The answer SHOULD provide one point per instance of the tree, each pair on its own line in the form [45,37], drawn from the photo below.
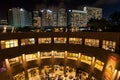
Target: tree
[96,24]
[115,21]
[115,18]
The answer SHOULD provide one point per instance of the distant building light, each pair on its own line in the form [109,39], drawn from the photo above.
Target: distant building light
[42,11]
[79,11]
[49,11]
[10,9]
[69,10]
[85,9]
[21,9]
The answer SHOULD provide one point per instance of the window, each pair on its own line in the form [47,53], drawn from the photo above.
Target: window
[44,54]
[72,55]
[33,72]
[75,40]
[44,40]
[92,42]
[30,57]
[28,41]
[109,45]
[59,40]
[15,60]
[61,54]
[99,65]
[9,43]
[86,59]
[20,76]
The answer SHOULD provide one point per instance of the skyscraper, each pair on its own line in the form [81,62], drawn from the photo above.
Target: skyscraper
[62,17]
[36,19]
[79,18]
[93,12]
[19,17]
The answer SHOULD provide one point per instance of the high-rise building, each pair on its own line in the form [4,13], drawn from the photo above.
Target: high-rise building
[62,17]
[49,18]
[93,12]
[36,19]
[19,17]
[79,18]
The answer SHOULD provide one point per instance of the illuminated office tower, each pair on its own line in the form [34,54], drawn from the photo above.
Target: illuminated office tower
[36,19]
[19,17]
[55,17]
[93,12]
[49,17]
[62,17]
[46,17]
[78,18]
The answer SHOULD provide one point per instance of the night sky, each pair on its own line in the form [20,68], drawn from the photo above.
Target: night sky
[109,6]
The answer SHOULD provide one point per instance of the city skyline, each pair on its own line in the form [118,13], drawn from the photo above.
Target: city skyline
[108,6]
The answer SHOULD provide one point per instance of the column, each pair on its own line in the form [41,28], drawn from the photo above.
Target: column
[118,76]
[52,60]
[91,68]
[25,66]
[9,69]
[114,75]
[65,61]
[92,64]
[39,61]
[78,60]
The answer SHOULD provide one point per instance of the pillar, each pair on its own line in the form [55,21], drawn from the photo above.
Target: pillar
[65,61]
[52,60]
[39,61]
[9,69]
[78,60]
[25,66]
[118,76]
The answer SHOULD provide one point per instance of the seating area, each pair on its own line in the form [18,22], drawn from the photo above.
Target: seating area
[56,72]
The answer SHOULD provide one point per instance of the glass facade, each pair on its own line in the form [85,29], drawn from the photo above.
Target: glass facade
[109,45]
[9,43]
[44,40]
[73,40]
[92,42]
[27,41]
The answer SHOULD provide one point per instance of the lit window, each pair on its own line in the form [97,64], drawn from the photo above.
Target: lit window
[59,40]
[28,41]
[9,43]
[99,65]
[20,76]
[109,45]
[86,59]
[45,54]
[15,60]
[30,57]
[44,40]
[75,40]
[92,42]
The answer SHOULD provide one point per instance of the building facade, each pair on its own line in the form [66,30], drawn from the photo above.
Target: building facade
[19,17]
[75,19]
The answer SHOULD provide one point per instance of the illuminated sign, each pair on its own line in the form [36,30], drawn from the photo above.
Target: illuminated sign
[110,68]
